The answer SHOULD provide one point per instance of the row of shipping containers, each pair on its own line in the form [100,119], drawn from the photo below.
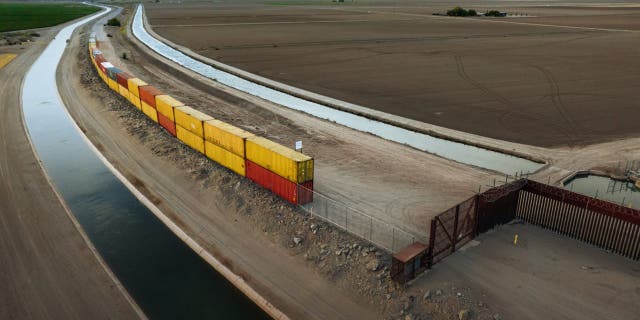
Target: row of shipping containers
[284,171]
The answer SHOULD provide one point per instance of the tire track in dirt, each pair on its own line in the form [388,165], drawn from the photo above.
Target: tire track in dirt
[497,96]
[556,99]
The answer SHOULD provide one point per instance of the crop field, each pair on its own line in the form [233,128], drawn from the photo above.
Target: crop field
[20,16]
[552,76]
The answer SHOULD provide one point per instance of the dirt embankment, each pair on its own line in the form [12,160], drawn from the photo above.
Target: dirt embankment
[47,267]
[305,267]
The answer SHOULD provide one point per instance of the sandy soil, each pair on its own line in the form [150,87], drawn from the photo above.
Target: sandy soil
[499,80]
[546,276]
[48,269]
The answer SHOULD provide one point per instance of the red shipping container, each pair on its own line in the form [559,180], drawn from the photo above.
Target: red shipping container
[280,186]
[305,192]
[99,58]
[122,79]
[148,94]
[166,123]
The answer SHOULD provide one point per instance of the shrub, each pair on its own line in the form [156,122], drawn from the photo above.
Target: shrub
[460,12]
[113,22]
[493,13]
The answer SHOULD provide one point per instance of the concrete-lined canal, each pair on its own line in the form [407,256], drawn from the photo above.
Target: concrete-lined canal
[163,275]
[617,191]
[460,152]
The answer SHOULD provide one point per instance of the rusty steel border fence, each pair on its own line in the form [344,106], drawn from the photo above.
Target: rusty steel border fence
[598,222]
[356,222]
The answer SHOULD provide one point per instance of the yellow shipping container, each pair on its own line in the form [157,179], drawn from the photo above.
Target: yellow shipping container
[225,158]
[123,91]
[113,84]
[191,119]
[285,162]
[134,100]
[133,85]
[190,139]
[226,136]
[149,111]
[165,105]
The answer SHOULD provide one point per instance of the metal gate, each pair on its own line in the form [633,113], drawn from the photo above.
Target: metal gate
[452,229]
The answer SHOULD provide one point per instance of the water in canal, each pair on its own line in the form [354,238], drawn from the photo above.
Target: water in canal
[606,188]
[456,151]
[163,275]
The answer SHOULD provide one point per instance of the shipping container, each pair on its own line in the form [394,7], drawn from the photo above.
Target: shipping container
[282,187]
[226,136]
[133,84]
[150,111]
[113,72]
[148,94]
[123,91]
[96,52]
[305,192]
[135,100]
[166,123]
[191,119]
[165,105]
[104,65]
[225,158]
[277,158]
[123,79]
[190,139]
[113,84]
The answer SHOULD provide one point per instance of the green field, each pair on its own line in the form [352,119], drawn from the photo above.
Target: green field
[20,16]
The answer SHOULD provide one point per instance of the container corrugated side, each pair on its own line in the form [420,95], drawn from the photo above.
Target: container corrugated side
[123,91]
[113,84]
[135,100]
[305,192]
[225,158]
[190,139]
[113,73]
[134,84]
[150,111]
[280,186]
[165,104]
[123,79]
[277,158]
[148,94]
[191,119]
[166,123]
[226,136]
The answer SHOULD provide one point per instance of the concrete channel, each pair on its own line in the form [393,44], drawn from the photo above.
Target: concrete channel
[154,261]
[449,149]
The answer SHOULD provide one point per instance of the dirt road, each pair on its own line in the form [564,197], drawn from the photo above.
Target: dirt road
[47,268]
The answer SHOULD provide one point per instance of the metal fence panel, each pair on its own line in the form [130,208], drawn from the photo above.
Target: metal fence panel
[360,224]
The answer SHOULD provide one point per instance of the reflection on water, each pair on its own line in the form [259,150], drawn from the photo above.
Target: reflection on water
[164,276]
[463,153]
[606,188]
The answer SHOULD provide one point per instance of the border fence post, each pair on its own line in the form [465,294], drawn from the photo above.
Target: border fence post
[393,240]
[432,240]
[454,235]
